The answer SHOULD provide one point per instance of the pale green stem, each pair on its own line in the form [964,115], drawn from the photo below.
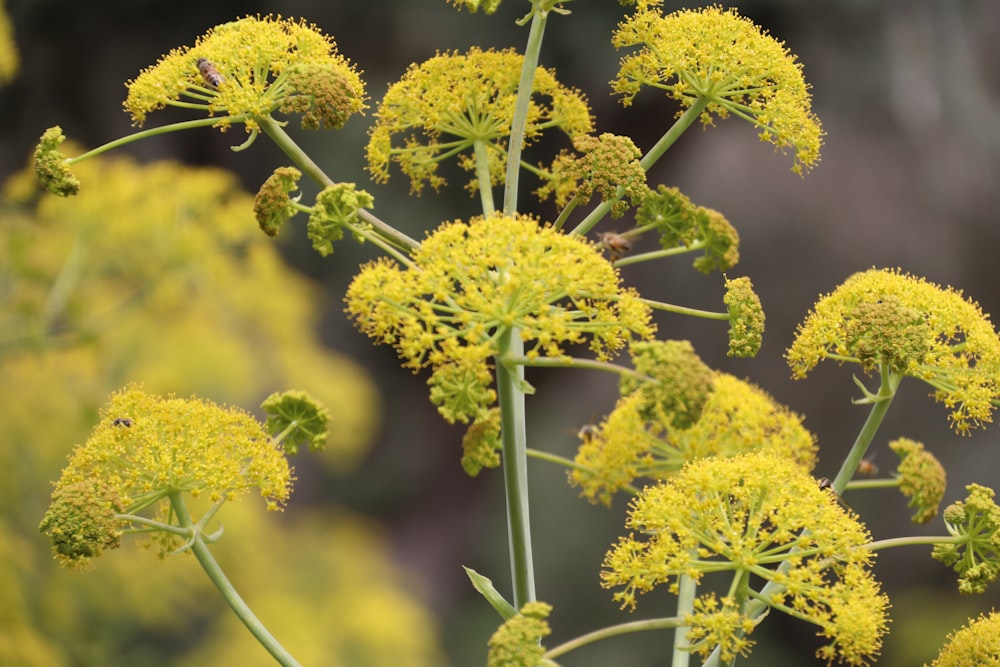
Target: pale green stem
[612,631]
[886,392]
[915,540]
[682,310]
[685,605]
[574,362]
[659,254]
[218,577]
[521,105]
[483,178]
[152,132]
[647,161]
[276,132]
[510,383]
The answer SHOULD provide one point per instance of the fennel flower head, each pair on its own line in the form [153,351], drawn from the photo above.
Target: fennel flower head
[717,58]
[894,322]
[146,451]
[456,104]
[472,283]
[249,68]
[975,645]
[760,517]
[648,436]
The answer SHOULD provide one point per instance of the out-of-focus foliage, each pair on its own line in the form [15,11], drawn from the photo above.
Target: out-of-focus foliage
[159,274]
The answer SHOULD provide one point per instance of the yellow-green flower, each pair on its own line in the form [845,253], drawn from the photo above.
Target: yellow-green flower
[608,162]
[921,478]
[746,318]
[146,450]
[481,444]
[718,58]
[296,419]
[884,319]
[471,283]
[974,553]
[635,442]
[488,6]
[273,206]
[250,68]
[760,517]
[50,164]
[336,205]
[456,105]
[680,223]
[516,643]
[975,645]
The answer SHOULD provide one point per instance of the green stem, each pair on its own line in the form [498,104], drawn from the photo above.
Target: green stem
[659,254]
[276,132]
[521,105]
[510,380]
[911,541]
[483,178]
[646,162]
[152,132]
[685,605]
[218,577]
[574,362]
[612,631]
[682,310]
[886,392]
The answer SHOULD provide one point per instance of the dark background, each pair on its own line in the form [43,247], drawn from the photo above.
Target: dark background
[909,97]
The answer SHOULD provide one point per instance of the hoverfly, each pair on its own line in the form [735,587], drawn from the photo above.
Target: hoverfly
[122,421]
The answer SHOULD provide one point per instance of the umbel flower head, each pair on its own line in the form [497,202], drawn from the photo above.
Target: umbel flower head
[452,103]
[746,318]
[975,645]
[471,283]
[639,439]
[250,68]
[516,643]
[891,321]
[921,478]
[681,223]
[50,164]
[974,553]
[747,515]
[145,451]
[717,58]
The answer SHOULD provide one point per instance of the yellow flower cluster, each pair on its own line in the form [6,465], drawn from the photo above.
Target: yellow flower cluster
[736,417]
[447,105]
[922,478]
[716,57]
[884,319]
[146,449]
[760,516]
[746,318]
[471,283]
[975,645]
[516,643]
[250,68]
[9,58]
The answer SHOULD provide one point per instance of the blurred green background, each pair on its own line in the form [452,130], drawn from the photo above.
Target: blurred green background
[157,273]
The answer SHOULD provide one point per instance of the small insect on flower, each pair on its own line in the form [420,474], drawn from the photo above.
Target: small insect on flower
[209,73]
[616,244]
[122,421]
[867,467]
[826,485]
[586,432]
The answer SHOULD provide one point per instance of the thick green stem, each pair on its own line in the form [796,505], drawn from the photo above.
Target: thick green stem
[685,605]
[883,399]
[483,178]
[276,132]
[510,383]
[521,106]
[218,577]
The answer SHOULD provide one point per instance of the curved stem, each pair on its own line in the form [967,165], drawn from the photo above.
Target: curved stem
[574,362]
[612,631]
[510,380]
[659,254]
[886,392]
[218,577]
[273,129]
[521,106]
[152,132]
[683,310]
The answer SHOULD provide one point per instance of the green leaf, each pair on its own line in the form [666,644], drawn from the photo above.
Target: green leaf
[485,587]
